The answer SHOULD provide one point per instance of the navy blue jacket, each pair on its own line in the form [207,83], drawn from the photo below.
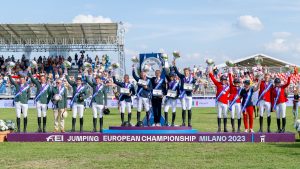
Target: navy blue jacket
[141,92]
[162,87]
[183,80]
[123,85]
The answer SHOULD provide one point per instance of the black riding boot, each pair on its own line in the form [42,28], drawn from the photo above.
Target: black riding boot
[25,124]
[138,116]
[232,125]
[225,125]
[44,124]
[283,125]
[122,119]
[269,124]
[166,119]
[101,124]
[18,125]
[39,119]
[183,117]
[81,124]
[173,118]
[190,118]
[219,124]
[261,124]
[73,124]
[278,126]
[148,118]
[94,124]
[239,125]
[129,118]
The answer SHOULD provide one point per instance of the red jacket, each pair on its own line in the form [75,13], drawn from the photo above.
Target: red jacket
[220,87]
[267,95]
[282,98]
[233,90]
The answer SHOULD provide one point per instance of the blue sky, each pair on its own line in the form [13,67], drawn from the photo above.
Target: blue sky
[216,29]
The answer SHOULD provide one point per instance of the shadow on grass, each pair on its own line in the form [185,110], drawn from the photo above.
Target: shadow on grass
[288,145]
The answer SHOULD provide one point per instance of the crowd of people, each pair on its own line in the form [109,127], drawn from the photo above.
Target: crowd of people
[234,92]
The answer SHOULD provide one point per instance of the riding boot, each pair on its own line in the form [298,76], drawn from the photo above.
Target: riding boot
[101,124]
[44,124]
[39,119]
[173,118]
[183,117]
[81,124]
[190,118]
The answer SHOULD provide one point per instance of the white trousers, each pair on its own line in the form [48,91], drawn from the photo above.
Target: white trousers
[77,108]
[280,110]
[125,105]
[41,108]
[236,108]
[21,107]
[143,101]
[170,103]
[186,102]
[264,107]
[222,109]
[97,110]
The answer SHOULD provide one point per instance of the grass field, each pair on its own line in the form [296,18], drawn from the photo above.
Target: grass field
[148,155]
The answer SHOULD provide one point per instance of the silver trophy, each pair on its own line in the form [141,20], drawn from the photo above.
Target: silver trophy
[210,64]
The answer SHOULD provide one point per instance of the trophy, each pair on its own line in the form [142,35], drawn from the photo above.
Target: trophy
[289,69]
[210,64]
[135,59]
[115,66]
[33,64]
[9,66]
[176,55]
[165,58]
[229,63]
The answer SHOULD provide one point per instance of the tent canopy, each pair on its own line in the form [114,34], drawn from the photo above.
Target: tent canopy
[267,61]
[66,34]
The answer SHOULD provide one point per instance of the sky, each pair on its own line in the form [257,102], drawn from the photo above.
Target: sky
[217,29]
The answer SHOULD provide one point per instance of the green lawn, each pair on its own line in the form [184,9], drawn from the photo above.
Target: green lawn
[148,155]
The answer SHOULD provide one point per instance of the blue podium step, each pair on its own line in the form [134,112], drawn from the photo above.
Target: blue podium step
[149,130]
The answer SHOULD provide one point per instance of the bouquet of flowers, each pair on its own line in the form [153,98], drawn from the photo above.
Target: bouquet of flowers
[3,126]
[176,55]
[134,59]
[115,65]
[10,125]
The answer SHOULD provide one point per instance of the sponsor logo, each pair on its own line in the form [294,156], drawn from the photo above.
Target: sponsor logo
[55,138]
[262,138]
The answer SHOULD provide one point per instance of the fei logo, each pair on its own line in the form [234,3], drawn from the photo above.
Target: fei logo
[55,138]
[262,138]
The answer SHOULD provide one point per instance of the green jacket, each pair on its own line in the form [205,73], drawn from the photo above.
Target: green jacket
[24,96]
[83,92]
[45,97]
[101,97]
[61,104]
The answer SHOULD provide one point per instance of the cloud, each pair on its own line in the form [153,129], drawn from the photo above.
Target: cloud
[281,34]
[250,22]
[90,19]
[278,45]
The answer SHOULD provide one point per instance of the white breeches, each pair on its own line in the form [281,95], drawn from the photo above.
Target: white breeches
[77,108]
[264,107]
[143,101]
[222,109]
[41,108]
[186,102]
[97,110]
[236,109]
[125,105]
[280,110]
[170,103]
[21,107]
